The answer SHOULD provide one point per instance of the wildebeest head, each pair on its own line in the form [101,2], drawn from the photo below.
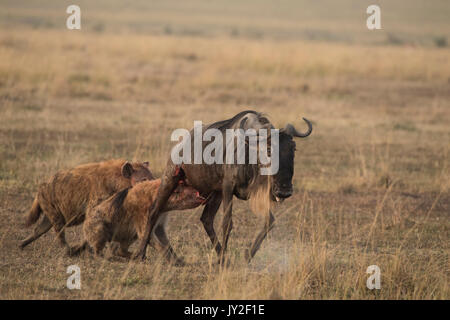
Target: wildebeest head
[282,180]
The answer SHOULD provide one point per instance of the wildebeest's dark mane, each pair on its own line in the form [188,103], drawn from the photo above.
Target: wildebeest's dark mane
[225,124]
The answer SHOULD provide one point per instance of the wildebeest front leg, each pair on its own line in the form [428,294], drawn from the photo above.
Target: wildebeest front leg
[227,223]
[169,182]
[268,225]
[161,241]
[207,218]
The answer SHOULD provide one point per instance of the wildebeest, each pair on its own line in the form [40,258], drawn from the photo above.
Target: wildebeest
[219,182]
[122,217]
[64,198]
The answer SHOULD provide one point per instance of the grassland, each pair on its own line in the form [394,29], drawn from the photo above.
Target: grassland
[371,183]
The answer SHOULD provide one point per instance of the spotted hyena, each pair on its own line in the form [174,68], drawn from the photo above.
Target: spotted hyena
[123,216]
[64,198]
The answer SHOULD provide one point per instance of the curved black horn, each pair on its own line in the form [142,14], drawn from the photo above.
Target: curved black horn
[289,129]
[242,123]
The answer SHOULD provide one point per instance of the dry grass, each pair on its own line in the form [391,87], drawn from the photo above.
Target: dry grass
[371,183]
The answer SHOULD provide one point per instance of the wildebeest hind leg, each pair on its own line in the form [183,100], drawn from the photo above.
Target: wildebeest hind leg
[261,236]
[207,218]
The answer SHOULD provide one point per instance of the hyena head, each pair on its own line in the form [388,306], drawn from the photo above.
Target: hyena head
[184,197]
[136,172]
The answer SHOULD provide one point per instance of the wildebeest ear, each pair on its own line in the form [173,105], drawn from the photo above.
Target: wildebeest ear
[127,170]
[146,163]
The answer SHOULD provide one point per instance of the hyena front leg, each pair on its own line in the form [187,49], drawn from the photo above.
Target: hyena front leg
[78,249]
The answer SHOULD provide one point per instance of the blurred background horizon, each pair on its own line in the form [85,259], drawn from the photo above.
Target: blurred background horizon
[404,22]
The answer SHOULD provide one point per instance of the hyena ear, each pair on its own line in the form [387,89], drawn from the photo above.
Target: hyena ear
[127,170]
[146,164]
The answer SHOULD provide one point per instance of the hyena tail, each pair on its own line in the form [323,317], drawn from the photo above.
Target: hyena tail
[118,200]
[34,213]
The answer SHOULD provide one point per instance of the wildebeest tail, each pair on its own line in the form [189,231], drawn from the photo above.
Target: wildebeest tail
[34,213]
[117,201]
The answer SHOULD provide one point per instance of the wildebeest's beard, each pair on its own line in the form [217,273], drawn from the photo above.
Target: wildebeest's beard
[282,180]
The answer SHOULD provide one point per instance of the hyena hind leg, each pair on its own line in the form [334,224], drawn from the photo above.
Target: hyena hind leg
[59,225]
